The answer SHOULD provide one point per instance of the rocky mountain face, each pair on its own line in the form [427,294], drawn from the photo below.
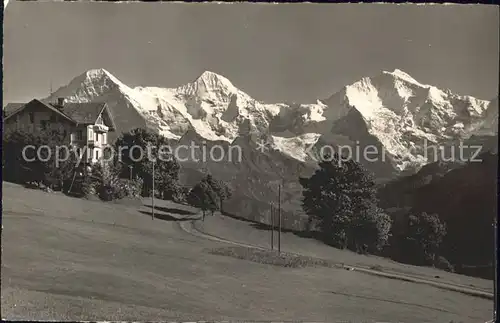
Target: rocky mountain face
[388,122]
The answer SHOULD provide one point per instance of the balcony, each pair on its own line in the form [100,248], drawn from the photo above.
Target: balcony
[100,128]
[93,143]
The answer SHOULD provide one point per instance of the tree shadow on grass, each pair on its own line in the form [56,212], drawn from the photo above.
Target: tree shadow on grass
[166,217]
[302,234]
[267,227]
[172,210]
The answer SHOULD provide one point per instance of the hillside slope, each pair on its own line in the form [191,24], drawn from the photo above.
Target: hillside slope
[464,195]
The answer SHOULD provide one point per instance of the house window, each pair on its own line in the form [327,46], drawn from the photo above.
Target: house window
[96,137]
[79,135]
[106,153]
[32,117]
[97,154]
[43,124]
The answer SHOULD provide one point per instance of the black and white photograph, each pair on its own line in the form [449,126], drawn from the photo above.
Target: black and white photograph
[242,162]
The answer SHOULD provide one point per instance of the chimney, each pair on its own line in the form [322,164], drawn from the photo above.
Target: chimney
[60,102]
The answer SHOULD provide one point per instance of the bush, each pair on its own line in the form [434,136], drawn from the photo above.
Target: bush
[180,195]
[103,181]
[371,229]
[107,192]
[120,189]
[130,188]
[88,187]
[426,232]
[166,166]
[203,196]
[174,192]
[40,172]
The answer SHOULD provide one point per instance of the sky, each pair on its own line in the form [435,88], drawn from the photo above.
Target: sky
[273,52]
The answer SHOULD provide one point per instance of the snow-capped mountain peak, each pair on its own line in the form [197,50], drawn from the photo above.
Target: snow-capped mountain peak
[393,107]
[211,104]
[399,74]
[400,112]
[101,74]
[214,79]
[400,94]
[209,86]
[89,86]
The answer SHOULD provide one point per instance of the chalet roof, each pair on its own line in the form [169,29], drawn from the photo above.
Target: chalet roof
[14,111]
[81,113]
[10,108]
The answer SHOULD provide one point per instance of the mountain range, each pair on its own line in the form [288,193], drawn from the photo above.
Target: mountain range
[390,112]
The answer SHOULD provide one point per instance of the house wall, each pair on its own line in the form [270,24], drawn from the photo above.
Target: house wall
[79,137]
[35,118]
[93,138]
[90,138]
[99,139]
